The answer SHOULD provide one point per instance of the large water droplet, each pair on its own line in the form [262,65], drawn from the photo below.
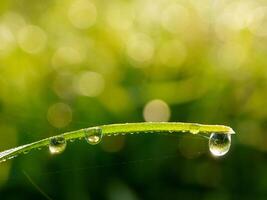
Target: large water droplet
[219,144]
[93,136]
[57,145]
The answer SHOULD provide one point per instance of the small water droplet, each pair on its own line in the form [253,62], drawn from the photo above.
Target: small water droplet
[219,144]
[11,157]
[194,128]
[57,145]
[26,151]
[93,136]
[194,131]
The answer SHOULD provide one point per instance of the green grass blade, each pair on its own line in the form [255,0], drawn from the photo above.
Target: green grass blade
[127,128]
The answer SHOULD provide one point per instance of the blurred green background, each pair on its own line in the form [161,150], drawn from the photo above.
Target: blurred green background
[72,64]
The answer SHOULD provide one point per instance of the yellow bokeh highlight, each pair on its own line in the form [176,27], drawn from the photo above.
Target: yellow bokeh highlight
[7,40]
[59,115]
[175,18]
[32,39]
[120,17]
[14,21]
[63,85]
[82,14]
[140,47]
[156,111]
[259,25]
[90,84]
[66,56]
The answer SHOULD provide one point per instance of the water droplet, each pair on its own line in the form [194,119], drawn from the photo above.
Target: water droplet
[194,131]
[93,136]
[194,128]
[219,144]
[26,151]
[57,145]
[11,157]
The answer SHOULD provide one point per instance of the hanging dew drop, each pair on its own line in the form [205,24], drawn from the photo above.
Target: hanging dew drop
[194,131]
[194,128]
[93,136]
[57,145]
[9,158]
[219,144]
[26,151]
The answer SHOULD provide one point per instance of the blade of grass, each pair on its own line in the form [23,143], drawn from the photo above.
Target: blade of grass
[127,128]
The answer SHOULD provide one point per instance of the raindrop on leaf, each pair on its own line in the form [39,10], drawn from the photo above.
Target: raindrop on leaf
[219,144]
[93,136]
[57,145]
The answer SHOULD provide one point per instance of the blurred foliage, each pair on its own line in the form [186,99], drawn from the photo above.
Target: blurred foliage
[72,64]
